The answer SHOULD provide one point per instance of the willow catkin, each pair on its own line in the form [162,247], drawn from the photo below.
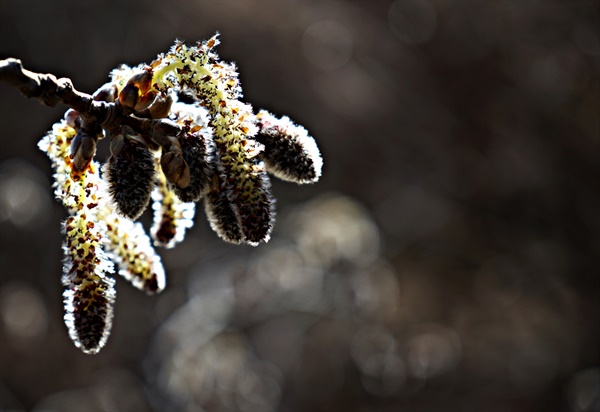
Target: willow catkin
[214,84]
[290,154]
[88,292]
[213,146]
[172,217]
[197,151]
[222,214]
[130,175]
[130,248]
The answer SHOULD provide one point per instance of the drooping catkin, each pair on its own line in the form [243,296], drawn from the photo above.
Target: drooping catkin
[130,248]
[214,84]
[130,175]
[88,291]
[222,214]
[290,153]
[198,148]
[211,146]
[172,216]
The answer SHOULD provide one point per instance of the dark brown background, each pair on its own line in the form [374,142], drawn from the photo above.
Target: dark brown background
[448,259]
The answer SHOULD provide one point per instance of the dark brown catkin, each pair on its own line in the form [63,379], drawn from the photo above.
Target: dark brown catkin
[131,178]
[222,214]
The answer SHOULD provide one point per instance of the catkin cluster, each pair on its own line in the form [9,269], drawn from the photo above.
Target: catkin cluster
[196,141]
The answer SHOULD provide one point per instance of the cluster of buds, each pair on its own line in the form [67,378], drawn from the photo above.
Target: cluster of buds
[178,134]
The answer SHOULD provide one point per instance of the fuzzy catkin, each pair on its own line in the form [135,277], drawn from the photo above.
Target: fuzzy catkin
[222,214]
[197,153]
[88,292]
[290,153]
[172,216]
[257,209]
[130,176]
[210,146]
[215,85]
[131,249]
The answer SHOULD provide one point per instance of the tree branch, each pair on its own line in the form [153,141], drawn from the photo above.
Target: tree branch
[50,91]
[44,87]
[96,115]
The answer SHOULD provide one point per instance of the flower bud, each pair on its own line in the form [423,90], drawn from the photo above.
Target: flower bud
[175,168]
[117,145]
[83,149]
[165,132]
[106,93]
[142,80]
[128,96]
[160,108]
[73,119]
[144,102]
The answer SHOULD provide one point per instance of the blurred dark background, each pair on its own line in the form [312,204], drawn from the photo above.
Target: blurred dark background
[448,260]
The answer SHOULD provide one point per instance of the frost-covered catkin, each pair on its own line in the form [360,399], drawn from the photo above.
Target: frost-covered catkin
[130,176]
[290,153]
[88,292]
